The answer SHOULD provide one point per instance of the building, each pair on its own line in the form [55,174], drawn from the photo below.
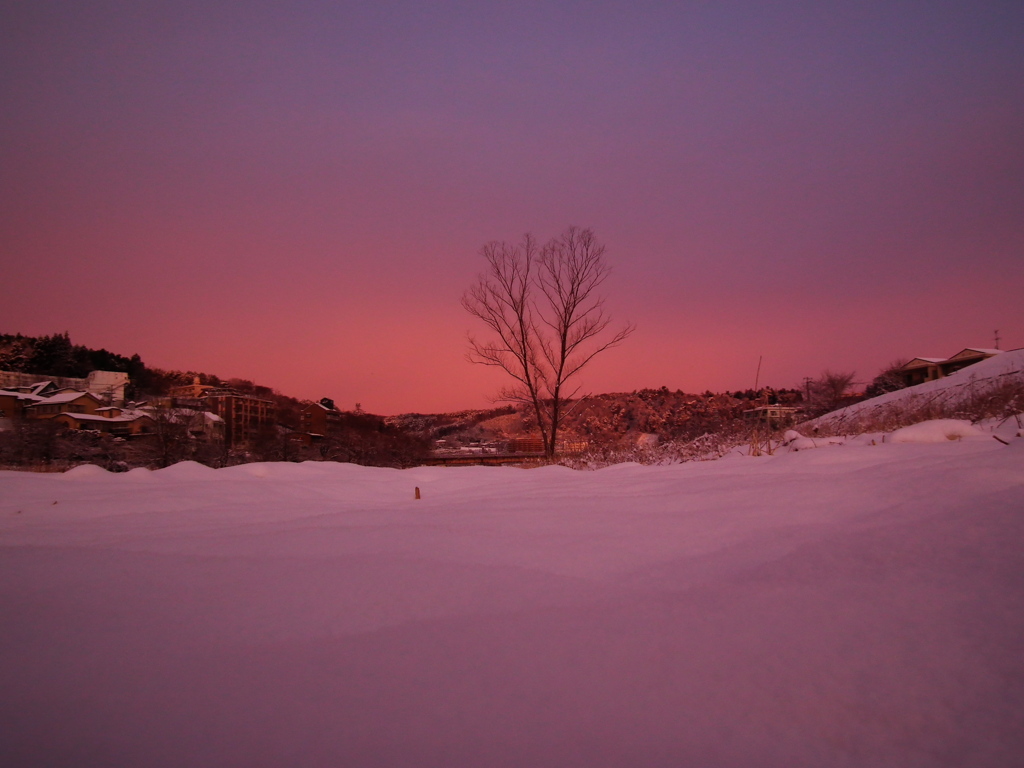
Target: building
[15,399]
[70,408]
[109,386]
[922,369]
[11,404]
[43,400]
[226,415]
[109,420]
[773,415]
[245,417]
[63,401]
[195,389]
[319,419]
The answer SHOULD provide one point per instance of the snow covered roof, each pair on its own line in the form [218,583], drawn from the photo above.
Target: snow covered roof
[320,406]
[135,412]
[103,419]
[966,352]
[66,397]
[36,388]
[174,414]
[19,395]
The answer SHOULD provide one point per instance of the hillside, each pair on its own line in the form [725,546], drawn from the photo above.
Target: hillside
[992,388]
[612,420]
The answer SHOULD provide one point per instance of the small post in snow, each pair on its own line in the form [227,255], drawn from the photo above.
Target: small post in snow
[417,491]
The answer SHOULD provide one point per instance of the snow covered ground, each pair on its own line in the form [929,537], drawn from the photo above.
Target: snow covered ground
[860,605]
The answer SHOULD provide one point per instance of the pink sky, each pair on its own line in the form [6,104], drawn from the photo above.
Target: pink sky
[296,193]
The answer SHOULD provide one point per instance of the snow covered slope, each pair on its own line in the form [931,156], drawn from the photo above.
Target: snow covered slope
[860,606]
[950,390]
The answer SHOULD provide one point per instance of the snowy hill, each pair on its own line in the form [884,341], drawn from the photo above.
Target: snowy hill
[995,384]
[857,606]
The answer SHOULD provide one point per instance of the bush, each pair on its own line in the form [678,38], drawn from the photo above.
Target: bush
[706,447]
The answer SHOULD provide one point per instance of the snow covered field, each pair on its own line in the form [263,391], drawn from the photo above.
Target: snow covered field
[848,606]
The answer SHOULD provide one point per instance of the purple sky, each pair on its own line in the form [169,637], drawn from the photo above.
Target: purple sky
[296,193]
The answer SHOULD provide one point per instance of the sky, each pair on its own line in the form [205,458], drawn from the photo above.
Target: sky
[297,193]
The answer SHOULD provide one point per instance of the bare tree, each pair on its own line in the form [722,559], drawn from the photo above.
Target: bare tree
[543,307]
[889,379]
[171,440]
[828,391]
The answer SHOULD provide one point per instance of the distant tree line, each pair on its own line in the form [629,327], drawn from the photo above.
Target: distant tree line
[55,355]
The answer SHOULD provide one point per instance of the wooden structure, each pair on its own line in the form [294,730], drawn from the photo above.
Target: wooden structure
[764,421]
[772,415]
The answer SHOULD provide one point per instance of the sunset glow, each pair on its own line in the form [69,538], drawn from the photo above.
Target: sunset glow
[297,193]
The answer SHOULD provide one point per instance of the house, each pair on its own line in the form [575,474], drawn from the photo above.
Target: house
[120,425]
[70,408]
[63,401]
[319,419]
[207,426]
[14,399]
[966,357]
[35,402]
[922,369]
[189,413]
[199,423]
[11,404]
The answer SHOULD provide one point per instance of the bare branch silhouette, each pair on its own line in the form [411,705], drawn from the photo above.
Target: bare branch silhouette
[547,319]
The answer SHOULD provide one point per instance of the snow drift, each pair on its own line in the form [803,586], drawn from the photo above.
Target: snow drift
[857,606]
[936,431]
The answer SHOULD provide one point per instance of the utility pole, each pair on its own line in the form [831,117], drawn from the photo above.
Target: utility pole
[997,338]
